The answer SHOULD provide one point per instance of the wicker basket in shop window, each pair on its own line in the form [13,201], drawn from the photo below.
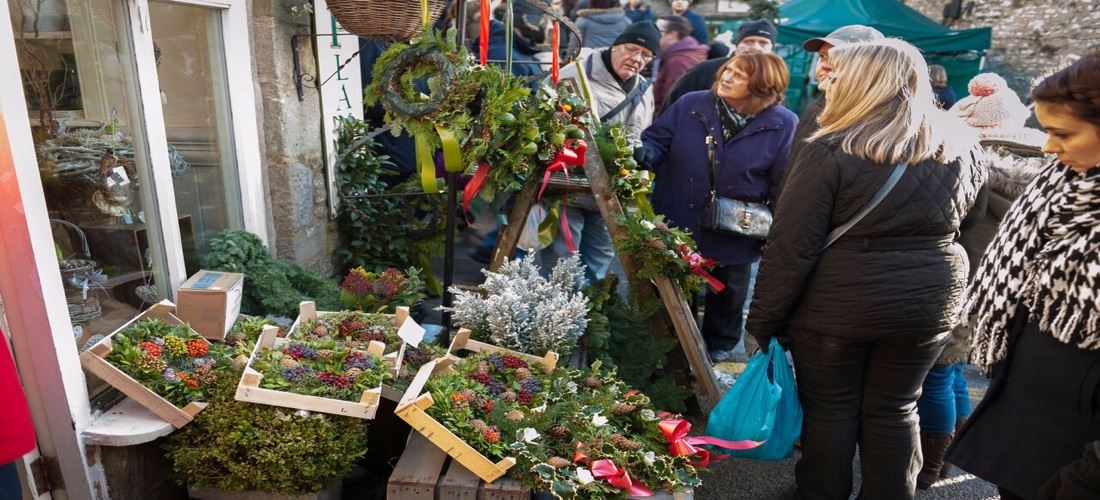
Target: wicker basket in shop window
[388,20]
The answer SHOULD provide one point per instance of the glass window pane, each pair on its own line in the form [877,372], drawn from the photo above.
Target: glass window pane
[188,43]
[76,62]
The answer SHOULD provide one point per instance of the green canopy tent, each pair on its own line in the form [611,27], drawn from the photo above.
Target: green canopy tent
[959,51]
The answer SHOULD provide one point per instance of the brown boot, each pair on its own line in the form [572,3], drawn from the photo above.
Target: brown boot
[946,470]
[933,445]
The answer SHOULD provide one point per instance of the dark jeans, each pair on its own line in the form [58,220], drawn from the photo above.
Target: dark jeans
[860,392]
[723,315]
[9,482]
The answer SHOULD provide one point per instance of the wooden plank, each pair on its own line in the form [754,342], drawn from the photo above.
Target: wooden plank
[451,444]
[509,234]
[459,483]
[691,340]
[505,489]
[417,472]
[462,341]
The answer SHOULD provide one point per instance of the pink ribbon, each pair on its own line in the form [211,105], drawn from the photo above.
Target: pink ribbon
[680,445]
[606,469]
[698,265]
[571,155]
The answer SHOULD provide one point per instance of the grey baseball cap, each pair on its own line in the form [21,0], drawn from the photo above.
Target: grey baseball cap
[844,35]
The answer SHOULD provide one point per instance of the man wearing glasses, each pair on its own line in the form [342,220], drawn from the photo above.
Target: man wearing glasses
[619,94]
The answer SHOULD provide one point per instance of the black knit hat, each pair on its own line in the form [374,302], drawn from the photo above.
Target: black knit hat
[762,28]
[642,33]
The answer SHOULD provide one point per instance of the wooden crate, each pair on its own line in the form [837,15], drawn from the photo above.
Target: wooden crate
[414,404]
[249,390]
[95,361]
[425,473]
[307,311]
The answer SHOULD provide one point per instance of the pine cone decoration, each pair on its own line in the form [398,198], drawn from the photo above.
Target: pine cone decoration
[558,462]
[656,243]
[352,372]
[482,367]
[155,364]
[325,353]
[514,415]
[662,227]
[623,443]
[508,396]
[288,363]
[320,331]
[593,383]
[624,409]
[558,431]
[479,425]
[523,373]
[205,376]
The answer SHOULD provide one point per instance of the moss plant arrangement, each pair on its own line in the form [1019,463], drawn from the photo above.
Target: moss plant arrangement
[236,446]
[271,286]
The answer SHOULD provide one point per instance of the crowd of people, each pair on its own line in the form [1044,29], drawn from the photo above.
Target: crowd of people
[915,233]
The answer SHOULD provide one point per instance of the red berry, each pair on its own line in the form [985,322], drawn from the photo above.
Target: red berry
[197,348]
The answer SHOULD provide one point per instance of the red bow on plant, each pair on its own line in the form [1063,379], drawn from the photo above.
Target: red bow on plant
[571,155]
[698,265]
[606,469]
[680,445]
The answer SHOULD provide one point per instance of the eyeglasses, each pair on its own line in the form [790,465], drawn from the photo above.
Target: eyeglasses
[637,51]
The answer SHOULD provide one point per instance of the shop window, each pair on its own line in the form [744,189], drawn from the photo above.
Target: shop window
[194,93]
[76,61]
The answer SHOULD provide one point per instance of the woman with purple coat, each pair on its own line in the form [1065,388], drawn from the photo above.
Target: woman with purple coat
[753,132]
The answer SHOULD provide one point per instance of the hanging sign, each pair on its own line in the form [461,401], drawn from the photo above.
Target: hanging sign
[341,86]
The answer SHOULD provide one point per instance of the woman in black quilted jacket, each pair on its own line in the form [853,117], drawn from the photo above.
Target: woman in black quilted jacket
[866,317]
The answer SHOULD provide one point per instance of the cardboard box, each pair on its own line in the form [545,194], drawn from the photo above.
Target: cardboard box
[210,302]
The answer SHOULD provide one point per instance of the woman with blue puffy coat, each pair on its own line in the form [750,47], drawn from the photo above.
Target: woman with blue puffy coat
[752,133]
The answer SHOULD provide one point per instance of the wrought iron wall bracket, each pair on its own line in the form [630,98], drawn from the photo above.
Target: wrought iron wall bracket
[300,78]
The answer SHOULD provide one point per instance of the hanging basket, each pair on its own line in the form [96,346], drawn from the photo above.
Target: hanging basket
[386,20]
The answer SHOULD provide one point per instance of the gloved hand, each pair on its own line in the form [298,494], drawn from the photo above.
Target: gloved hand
[644,157]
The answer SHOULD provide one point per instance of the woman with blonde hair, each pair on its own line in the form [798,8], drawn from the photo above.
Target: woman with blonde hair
[865,292]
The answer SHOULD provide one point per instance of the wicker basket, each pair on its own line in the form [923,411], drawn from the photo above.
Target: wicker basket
[387,20]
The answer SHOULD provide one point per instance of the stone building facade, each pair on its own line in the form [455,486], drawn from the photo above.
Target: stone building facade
[1030,37]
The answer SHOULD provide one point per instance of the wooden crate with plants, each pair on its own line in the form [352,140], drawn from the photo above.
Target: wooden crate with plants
[414,405]
[159,362]
[319,376]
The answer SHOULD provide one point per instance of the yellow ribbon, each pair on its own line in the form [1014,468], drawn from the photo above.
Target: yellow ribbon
[425,15]
[548,228]
[452,152]
[426,165]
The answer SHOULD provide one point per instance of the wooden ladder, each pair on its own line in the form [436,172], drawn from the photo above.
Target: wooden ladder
[680,314]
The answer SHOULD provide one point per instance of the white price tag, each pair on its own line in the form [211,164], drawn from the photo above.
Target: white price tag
[411,332]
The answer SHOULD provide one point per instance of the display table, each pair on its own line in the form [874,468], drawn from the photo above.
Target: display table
[126,424]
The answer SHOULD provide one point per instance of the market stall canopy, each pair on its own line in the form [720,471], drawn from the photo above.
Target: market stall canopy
[804,19]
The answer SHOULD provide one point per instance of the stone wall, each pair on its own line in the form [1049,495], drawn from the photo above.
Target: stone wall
[299,224]
[1030,37]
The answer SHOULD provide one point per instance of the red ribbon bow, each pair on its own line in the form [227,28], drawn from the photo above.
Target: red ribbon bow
[680,445]
[606,469]
[698,265]
[572,154]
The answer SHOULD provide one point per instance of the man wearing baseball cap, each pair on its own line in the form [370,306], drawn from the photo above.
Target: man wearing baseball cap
[853,33]
[753,36]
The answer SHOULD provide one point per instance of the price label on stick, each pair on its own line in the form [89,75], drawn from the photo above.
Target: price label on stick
[411,332]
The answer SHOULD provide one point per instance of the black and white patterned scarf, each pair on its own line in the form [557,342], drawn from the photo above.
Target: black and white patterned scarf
[732,120]
[1046,257]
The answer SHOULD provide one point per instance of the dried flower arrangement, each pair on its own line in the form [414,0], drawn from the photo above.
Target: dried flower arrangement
[320,368]
[524,311]
[171,360]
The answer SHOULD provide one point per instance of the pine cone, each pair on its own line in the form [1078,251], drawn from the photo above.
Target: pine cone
[624,409]
[558,462]
[558,431]
[320,330]
[622,443]
[205,376]
[508,396]
[288,363]
[153,363]
[515,415]
[482,367]
[325,353]
[656,243]
[459,401]
[662,227]
[523,373]
[593,383]
[352,372]
[479,425]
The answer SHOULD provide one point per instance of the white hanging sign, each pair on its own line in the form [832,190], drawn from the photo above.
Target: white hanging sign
[342,93]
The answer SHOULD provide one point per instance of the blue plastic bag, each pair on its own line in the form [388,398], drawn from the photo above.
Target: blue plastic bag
[761,406]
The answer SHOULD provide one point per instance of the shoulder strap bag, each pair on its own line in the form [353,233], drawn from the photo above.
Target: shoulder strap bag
[632,98]
[732,216]
[899,170]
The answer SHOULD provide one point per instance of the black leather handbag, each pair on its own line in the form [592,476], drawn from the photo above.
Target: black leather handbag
[729,215]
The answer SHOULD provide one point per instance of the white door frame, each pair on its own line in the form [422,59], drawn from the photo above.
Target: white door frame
[30,283]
